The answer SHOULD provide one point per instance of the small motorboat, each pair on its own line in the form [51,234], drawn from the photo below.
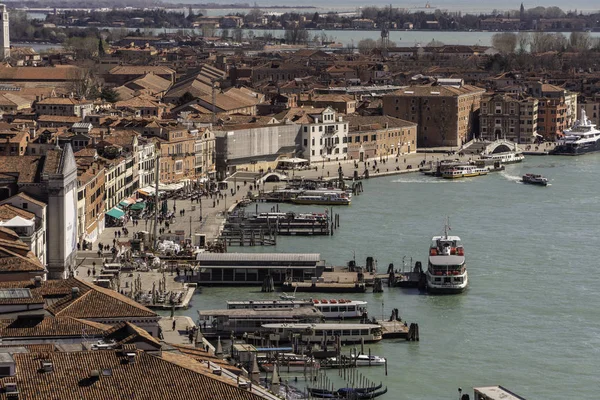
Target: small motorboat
[535,179]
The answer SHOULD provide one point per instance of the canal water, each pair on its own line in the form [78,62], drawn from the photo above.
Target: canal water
[530,319]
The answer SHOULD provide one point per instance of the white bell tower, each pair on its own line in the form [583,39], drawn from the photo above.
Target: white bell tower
[5,37]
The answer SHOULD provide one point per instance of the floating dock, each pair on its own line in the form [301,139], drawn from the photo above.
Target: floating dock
[324,287]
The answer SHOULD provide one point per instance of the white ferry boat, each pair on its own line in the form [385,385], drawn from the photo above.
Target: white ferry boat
[317,333]
[509,157]
[331,309]
[463,171]
[446,272]
[325,199]
[582,138]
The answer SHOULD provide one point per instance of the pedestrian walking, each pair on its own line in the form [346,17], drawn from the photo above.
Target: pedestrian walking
[174,324]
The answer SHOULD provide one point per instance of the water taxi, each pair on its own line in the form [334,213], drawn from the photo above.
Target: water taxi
[446,272]
[318,333]
[360,360]
[535,179]
[325,199]
[463,171]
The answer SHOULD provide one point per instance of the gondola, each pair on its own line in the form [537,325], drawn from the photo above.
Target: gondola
[348,393]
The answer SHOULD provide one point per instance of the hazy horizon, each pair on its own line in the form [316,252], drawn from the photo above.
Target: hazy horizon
[451,5]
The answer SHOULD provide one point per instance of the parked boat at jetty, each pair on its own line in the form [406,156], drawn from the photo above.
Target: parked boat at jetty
[226,322]
[318,333]
[331,309]
[446,272]
[361,360]
[347,393]
[582,138]
[509,157]
[325,199]
[288,362]
[463,171]
[535,179]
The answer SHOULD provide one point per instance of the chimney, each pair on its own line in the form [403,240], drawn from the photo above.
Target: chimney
[47,366]
[37,281]
[131,358]
[74,292]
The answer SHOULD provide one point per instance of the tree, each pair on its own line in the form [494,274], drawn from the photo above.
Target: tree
[435,43]
[295,35]
[83,47]
[101,51]
[238,35]
[109,94]
[84,83]
[366,46]
[208,30]
[523,39]
[580,41]
[505,42]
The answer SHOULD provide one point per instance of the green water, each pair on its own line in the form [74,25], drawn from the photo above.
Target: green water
[530,319]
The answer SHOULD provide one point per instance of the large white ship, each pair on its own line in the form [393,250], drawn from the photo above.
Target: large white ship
[446,272]
[582,138]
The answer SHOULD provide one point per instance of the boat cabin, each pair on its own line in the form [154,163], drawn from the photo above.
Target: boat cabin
[446,245]
[224,322]
[268,304]
[317,333]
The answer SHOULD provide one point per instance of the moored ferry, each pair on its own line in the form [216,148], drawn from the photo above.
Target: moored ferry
[446,272]
[463,171]
[325,199]
[509,157]
[582,138]
[331,309]
[317,333]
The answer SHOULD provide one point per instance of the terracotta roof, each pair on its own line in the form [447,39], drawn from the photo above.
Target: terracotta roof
[62,101]
[141,70]
[66,120]
[174,377]
[38,326]
[98,302]
[26,169]
[137,102]
[126,333]
[367,123]
[152,82]
[417,91]
[36,74]
[8,212]
[29,199]
[91,302]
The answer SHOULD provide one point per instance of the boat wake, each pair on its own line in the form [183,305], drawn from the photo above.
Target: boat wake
[509,177]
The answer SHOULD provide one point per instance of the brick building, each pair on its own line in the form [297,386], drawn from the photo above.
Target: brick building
[508,117]
[445,115]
